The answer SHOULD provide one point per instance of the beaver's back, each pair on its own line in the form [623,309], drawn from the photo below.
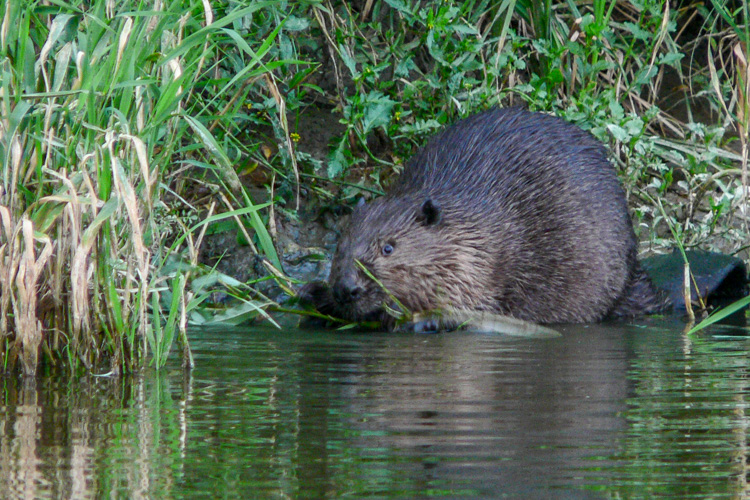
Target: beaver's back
[500,156]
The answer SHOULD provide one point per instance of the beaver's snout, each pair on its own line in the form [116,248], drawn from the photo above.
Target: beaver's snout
[347,289]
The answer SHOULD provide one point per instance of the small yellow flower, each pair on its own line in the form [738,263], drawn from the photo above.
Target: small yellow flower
[295,137]
[397,116]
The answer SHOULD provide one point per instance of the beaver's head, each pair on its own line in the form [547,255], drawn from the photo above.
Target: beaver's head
[400,241]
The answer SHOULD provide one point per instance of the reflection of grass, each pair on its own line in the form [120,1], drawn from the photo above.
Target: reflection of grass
[139,438]
[678,383]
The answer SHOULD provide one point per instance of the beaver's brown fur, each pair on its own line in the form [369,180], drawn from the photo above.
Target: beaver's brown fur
[507,211]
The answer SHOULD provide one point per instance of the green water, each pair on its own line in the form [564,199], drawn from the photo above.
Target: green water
[626,411]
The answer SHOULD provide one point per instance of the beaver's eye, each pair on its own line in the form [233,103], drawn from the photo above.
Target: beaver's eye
[387,249]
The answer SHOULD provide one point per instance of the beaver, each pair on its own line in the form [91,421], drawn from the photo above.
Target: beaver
[509,212]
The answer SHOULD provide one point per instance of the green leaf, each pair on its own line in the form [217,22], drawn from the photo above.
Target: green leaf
[400,6]
[377,113]
[721,314]
[57,32]
[671,59]
[234,213]
[618,132]
[637,32]
[104,214]
[349,61]
[337,161]
[294,23]
[241,313]
[165,343]
[226,169]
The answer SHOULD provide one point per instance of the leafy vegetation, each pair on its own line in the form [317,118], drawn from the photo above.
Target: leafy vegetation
[128,129]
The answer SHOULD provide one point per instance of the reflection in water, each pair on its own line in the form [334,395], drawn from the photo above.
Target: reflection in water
[603,411]
[78,438]
[688,421]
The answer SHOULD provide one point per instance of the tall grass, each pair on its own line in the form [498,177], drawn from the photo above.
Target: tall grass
[98,101]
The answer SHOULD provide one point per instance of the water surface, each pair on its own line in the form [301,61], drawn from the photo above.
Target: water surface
[624,411]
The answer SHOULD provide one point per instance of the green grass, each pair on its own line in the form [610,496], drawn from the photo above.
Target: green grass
[100,108]
[114,117]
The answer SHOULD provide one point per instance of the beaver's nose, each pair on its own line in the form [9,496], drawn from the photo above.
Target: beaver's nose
[346,289]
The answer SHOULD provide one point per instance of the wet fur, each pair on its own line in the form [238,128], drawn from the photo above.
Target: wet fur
[507,211]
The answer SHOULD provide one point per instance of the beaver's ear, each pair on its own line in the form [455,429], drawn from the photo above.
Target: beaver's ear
[429,214]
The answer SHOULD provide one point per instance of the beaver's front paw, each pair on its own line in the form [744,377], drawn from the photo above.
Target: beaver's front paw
[317,295]
[428,324]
